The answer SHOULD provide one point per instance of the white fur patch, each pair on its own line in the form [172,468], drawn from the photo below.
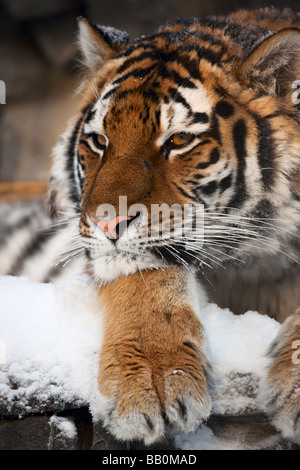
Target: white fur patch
[112,265]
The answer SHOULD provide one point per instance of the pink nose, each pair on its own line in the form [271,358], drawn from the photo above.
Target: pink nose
[110,226]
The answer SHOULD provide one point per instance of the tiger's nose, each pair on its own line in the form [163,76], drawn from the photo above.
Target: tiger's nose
[115,227]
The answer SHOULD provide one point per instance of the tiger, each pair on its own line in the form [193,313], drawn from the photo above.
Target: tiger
[203,114]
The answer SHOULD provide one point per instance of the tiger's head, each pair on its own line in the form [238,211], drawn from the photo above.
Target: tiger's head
[189,118]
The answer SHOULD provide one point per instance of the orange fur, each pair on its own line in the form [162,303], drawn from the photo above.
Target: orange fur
[152,353]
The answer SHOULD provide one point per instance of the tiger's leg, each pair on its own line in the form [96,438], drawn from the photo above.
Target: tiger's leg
[152,364]
[282,392]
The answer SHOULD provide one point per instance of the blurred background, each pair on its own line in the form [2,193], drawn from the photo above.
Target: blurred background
[38,65]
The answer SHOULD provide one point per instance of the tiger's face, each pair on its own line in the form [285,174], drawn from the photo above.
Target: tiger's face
[162,128]
[155,141]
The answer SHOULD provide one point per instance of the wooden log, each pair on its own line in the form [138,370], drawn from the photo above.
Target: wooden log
[22,190]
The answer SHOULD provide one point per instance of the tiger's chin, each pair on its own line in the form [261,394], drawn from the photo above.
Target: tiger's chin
[111,266]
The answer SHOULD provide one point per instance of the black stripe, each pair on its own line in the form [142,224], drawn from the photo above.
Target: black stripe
[135,47]
[209,55]
[224,109]
[35,245]
[203,165]
[239,138]
[214,130]
[191,65]
[90,115]
[221,91]
[185,82]
[110,92]
[210,188]
[207,37]
[182,410]
[139,72]
[200,117]
[214,158]
[273,115]
[266,159]
[157,117]
[164,72]
[225,183]
[80,178]
[152,54]
[71,152]
[148,422]
[198,176]
[8,231]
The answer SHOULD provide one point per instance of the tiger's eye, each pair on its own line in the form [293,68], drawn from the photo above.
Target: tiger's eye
[179,140]
[99,141]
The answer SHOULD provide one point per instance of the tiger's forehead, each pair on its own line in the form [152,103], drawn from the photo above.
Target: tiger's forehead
[178,107]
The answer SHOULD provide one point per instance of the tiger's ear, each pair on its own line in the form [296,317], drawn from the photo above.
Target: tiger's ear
[274,64]
[99,43]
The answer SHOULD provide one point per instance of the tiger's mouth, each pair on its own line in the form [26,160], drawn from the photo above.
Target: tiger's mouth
[129,243]
[125,244]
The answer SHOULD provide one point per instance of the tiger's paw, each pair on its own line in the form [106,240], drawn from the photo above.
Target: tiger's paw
[282,388]
[147,396]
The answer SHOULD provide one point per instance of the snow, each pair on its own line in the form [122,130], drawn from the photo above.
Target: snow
[237,349]
[61,429]
[50,338]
